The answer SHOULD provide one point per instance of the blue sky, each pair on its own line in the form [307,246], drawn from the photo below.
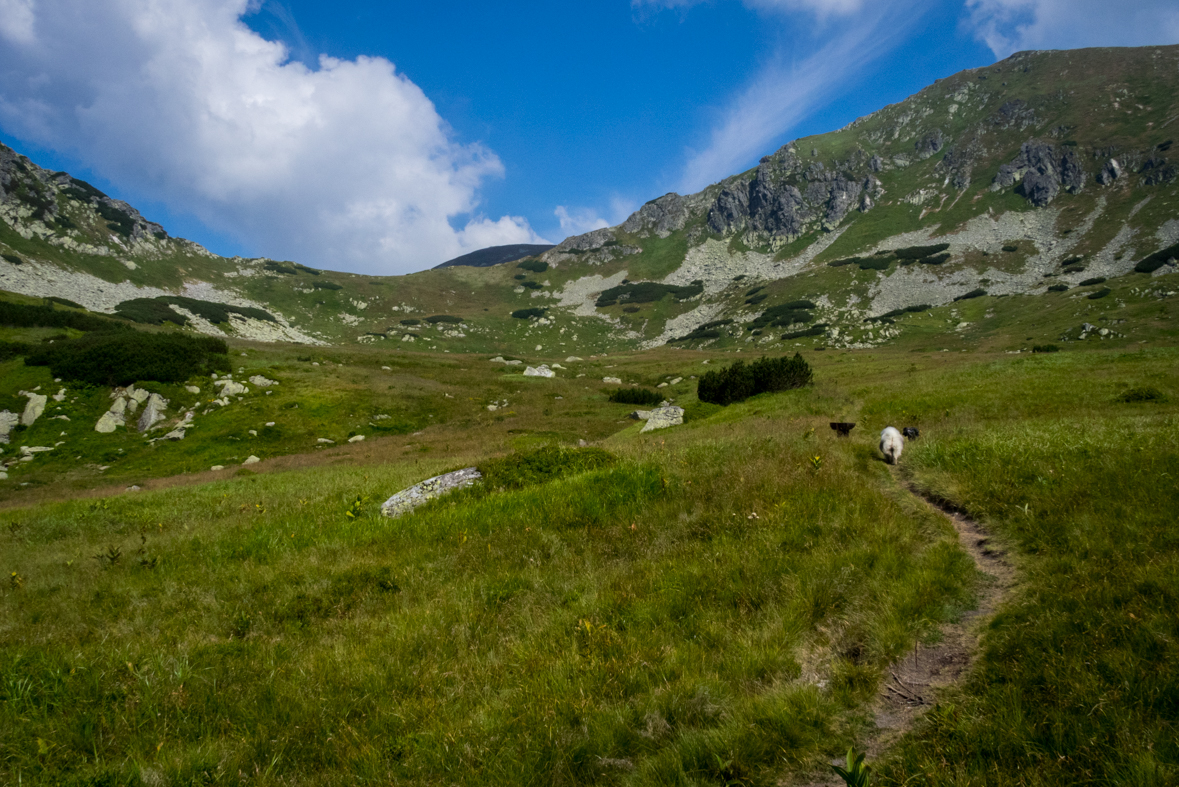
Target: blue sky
[434,129]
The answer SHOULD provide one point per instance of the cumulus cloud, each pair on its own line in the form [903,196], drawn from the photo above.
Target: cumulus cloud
[579,221]
[346,166]
[1008,26]
[784,93]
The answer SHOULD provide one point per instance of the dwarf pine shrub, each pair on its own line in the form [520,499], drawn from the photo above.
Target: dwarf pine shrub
[524,314]
[534,265]
[635,396]
[740,381]
[126,357]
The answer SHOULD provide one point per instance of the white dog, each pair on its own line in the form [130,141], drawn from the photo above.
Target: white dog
[891,444]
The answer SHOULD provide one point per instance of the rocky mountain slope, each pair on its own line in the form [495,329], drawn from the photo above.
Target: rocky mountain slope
[1046,172]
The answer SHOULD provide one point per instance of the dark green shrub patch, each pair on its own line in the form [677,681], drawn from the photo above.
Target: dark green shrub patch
[1045,348]
[83,191]
[19,315]
[1009,248]
[921,307]
[886,316]
[918,252]
[9,350]
[631,309]
[116,220]
[156,311]
[755,290]
[780,316]
[818,329]
[647,292]
[411,321]
[972,294]
[305,269]
[799,304]
[1153,262]
[65,302]
[326,285]
[875,263]
[698,334]
[524,314]
[532,285]
[846,261]
[15,260]
[536,266]
[935,259]
[279,267]
[520,276]
[128,357]
[1058,288]
[446,318]
[1075,259]
[1143,394]
[520,470]
[1091,282]
[1100,293]
[756,299]
[740,381]
[635,396]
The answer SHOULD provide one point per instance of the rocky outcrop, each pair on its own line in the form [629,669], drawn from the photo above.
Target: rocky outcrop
[1041,170]
[661,216]
[432,488]
[663,417]
[539,371]
[153,412]
[113,418]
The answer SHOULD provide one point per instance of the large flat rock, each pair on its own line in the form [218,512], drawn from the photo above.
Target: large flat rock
[408,499]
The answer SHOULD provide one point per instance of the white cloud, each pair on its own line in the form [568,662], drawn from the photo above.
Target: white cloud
[348,166]
[16,21]
[581,220]
[821,8]
[783,94]
[1008,26]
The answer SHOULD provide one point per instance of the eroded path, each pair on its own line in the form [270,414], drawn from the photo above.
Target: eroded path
[913,682]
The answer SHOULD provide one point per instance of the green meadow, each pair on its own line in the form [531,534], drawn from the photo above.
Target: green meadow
[715,603]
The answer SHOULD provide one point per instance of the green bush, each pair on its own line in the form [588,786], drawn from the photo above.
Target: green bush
[326,285]
[1045,348]
[305,269]
[1010,248]
[935,259]
[781,315]
[534,265]
[524,314]
[520,276]
[1100,293]
[699,333]
[127,357]
[755,290]
[15,260]
[19,315]
[9,350]
[740,381]
[799,304]
[972,294]
[1075,259]
[847,261]
[753,300]
[875,263]
[818,329]
[278,267]
[411,321]
[446,318]
[530,468]
[635,396]
[918,252]
[647,292]
[1153,262]
[65,302]
[118,221]
[532,285]
[921,307]
[1058,288]
[1143,394]
[157,311]
[1091,282]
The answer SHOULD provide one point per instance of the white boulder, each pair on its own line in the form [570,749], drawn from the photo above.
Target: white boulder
[663,417]
[34,408]
[539,371]
[408,499]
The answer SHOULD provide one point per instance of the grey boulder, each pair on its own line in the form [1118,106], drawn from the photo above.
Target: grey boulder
[432,488]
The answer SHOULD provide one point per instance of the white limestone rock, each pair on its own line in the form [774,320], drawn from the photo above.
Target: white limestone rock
[356,439]
[113,418]
[251,460]
[262,382]
[540,371]
[7,421]
[613,380]
[408,499]
[34,407]
[663,417]
[153,412]
[192,389]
